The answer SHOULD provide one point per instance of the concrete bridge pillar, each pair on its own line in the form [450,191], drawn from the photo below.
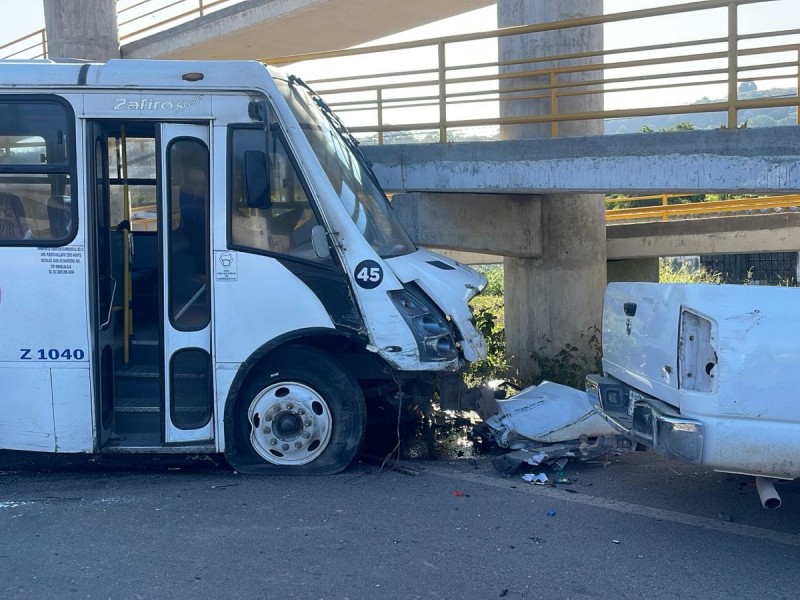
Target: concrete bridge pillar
[555,299]
[84,29]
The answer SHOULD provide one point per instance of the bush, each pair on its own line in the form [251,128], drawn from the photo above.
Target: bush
[671,272]
[494,273]
[489,319]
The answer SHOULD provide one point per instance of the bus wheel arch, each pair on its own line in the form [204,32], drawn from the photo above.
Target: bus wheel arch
[297,411]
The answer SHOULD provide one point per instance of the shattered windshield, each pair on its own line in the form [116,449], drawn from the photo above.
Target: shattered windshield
[364,200]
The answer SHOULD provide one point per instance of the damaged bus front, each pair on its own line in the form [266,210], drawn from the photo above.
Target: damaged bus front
[705,374]
[230,276]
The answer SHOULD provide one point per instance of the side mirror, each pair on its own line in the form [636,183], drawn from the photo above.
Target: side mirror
[256,179]
[319,240]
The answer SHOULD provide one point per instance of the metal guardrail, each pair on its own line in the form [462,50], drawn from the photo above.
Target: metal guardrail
[33,45]
[444,85]
[665,210]
[139,18]
[439,86]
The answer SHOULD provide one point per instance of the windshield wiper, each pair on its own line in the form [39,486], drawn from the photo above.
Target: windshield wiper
[351,142]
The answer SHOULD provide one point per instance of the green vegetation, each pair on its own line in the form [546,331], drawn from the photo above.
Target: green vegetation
[670,271]
[489,311]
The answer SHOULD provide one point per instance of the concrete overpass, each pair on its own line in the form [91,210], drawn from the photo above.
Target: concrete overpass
[255,29]
[454,183]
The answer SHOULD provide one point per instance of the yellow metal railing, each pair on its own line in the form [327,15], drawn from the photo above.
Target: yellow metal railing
[440,85]
[139,18]
[664,210]
[442,93]
[33,45]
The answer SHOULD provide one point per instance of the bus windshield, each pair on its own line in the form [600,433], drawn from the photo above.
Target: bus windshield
[364,200]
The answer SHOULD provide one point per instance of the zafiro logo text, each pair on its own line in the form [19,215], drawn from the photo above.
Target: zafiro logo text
[153,104]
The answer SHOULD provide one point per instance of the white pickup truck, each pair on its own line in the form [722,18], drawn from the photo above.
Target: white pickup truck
[705,374]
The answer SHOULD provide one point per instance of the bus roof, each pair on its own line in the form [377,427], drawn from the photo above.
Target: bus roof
[135,74]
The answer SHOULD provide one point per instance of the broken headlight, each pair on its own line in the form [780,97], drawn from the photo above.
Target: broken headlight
[433,334]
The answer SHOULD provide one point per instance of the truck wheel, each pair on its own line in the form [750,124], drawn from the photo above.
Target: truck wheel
[301,414]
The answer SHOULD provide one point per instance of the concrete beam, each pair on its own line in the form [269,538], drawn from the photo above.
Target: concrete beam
[720,235]
[259,29]
[758,161]
[483,223]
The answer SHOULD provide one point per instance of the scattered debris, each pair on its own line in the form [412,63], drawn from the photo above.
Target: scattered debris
[561,477]
[459,493]
[545,424]
[385,463]
[539,479]
[551,512]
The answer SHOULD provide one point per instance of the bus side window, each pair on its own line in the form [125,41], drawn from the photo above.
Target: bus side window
[36,154]
[285,227]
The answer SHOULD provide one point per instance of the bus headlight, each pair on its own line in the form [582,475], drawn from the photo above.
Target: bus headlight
[433,334]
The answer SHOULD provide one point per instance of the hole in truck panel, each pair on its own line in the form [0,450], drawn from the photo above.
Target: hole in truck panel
[697,353]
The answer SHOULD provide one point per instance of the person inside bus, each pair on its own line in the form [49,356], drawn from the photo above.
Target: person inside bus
[13,224]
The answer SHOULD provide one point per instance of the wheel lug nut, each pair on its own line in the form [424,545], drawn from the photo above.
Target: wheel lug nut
[289,406]
[307,422]
[285,447]
[307,435]
[298,445]
[301,412]
[267,430]
[273,442]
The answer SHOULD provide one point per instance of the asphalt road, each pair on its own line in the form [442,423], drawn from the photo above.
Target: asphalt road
[173,527]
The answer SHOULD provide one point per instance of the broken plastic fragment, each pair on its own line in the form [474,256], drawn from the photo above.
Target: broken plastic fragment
[537,458]
[539,479]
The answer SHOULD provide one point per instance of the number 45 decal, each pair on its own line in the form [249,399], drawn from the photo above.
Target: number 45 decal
[368,274]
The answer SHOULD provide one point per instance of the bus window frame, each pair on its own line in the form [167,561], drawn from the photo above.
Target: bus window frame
[68,168]
[269,130]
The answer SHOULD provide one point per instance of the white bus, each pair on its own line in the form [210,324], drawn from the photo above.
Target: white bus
[195,257]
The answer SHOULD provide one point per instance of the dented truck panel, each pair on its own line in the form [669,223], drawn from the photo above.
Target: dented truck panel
[708,372]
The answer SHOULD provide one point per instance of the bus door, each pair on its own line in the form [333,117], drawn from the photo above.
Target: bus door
[184,244]
[105,286]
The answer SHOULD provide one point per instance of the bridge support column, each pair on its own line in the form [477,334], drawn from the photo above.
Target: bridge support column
[85,29]
[557,299]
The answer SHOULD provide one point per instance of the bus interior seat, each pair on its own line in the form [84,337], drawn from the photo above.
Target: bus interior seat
[12,216]
[144,261]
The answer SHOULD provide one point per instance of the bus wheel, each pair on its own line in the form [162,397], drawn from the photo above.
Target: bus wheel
[301,414]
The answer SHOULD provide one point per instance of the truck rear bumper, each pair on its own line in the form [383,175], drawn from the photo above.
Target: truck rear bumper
[646,421]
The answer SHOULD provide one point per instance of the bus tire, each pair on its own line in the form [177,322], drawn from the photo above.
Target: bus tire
[299,414]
